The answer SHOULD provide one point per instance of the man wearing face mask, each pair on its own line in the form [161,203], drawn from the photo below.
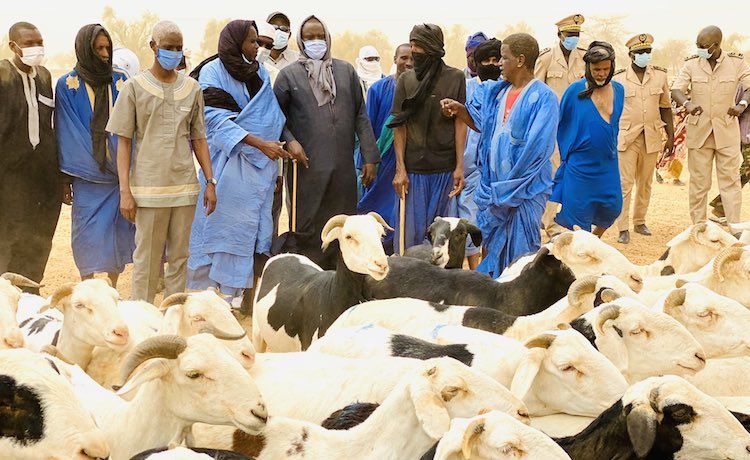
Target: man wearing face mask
[558,67]
[368,67]
[713,132]
[281,55]
[30,185]
[324,107]
[472,42]
[647,113]
[587,183]
[163,111]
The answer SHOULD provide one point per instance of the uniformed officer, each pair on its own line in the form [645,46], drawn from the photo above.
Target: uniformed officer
[558,67]
[713,131]
[647,111]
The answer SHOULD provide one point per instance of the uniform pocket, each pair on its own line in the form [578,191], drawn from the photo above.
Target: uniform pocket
[699,85]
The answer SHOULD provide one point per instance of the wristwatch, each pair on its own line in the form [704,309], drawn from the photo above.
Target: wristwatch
[212,181]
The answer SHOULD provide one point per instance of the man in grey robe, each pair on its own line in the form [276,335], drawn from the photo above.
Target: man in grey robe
[324,107]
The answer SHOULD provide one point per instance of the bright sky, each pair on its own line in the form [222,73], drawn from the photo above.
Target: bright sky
[60,20]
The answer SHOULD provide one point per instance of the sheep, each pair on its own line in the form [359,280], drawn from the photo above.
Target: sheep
[660,418]
[640,341]
[692,249]
[728,275]
[495,436]
[721,325]
[40,416]
[180,381]
[296,300]
[413,316]
[412,416]
[448,238]
[10,294]
[542,283]
[724,377]
[556,371]
[91,318]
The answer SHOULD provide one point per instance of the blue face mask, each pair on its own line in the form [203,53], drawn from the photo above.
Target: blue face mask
[168,60]
[570,43]
[315,49]
[704,53]
[642,59]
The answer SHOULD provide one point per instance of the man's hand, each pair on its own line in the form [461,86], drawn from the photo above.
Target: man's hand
[273,149]
[669,146]
[297,153]
[458,182]
[401,183]
[450,108]
[736,111]
[67,193]
[693,109]
[369,171]
[209,199]
[127,206]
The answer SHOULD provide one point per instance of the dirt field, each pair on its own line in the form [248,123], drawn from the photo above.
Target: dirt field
[668,215]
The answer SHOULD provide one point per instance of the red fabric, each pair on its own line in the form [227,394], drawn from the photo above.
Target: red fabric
[509,101]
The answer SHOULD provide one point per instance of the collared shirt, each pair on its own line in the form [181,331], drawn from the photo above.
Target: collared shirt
[162,118]
[643,99]
[713,90]
[552,68]
[29,91]
[285,58]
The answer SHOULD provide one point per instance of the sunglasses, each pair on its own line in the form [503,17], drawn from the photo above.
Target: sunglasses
[268,46]
[282,28]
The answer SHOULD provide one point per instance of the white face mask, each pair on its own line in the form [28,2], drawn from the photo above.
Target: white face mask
[371,66]
[280,40]
[263,54]
[32,56]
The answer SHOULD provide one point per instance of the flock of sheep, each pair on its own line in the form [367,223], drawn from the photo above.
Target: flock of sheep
[575,352]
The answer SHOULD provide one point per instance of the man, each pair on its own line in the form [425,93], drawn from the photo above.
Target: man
[368,67]
[471,44]
[163,111]
[102,239]
[429,146]
[558,67]
[587,183]
[379,196]
[515,178]
[281,56]
[647,110]
[324,107]
[713,131]
[30,183]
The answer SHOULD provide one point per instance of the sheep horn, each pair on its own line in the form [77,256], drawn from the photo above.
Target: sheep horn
[174,299]
[20,280]
[475,429]
[162,346]
[381,221]
[562,240]
[333,222]
[219,334]
[728,255]
[696,231]
[581,287]
[675,299]
[609,295]
[62,292]
[540,341]
[610,312]
[54,351]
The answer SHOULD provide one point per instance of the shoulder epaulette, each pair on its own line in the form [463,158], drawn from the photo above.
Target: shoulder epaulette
[581,49]
[545,51]
[617,72]
[691,57]
[659,68]
[735,55]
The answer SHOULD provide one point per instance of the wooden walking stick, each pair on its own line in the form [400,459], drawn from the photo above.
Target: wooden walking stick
[401,224]
[294,196]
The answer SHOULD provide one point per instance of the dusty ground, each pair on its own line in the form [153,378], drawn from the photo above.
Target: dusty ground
[668,215]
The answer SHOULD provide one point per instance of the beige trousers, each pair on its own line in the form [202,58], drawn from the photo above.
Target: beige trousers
[636,167]
[155,228]
[550,211]
[700,164]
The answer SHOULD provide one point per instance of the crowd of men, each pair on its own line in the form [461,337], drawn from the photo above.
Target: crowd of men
[520,142]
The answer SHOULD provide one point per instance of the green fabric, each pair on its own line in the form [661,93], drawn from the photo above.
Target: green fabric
[385,141]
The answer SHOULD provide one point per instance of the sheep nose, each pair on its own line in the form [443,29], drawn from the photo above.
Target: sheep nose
[382,265]
[95,447]
[120,334]
[260,412]
[14,338]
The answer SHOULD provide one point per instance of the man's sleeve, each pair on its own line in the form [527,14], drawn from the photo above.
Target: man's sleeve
[398,96]
[682,82]
[540,69]
[461,96]
[284,98]
[665,101]
[368,148]
[197,120]
[122,120]
[744,75]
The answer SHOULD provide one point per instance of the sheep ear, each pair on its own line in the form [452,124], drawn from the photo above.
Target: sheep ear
[642,423]
[334,234]
[61,293]
[527,371]
[471,435]
[172,319]
[610,343]
[151,370]
[475,233]
[429,406]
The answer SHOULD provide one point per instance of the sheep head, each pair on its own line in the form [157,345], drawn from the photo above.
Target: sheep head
[360,242]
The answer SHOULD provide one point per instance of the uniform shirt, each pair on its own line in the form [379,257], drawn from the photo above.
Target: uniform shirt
[430,137]
[642,103]
[552,68]
[161,118]
[287,57]
[713,90]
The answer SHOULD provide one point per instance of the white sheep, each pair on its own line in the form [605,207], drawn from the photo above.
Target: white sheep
[10,294]
[728,274]
[692,249]
[724,377]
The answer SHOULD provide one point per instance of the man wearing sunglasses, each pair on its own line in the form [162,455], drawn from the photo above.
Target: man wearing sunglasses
[281,55]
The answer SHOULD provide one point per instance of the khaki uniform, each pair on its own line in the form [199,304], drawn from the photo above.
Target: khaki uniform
[640,140]
[714,133]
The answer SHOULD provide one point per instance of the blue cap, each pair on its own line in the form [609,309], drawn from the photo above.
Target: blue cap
[475,40]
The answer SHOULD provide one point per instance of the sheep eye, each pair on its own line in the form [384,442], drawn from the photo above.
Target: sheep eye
[640,330]
[79,305]
[348,237]
[680,413]
[568,368]
[198,319]
[706,314]
[193,375]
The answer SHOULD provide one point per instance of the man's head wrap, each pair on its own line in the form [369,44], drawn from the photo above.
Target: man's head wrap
[487,50]
[598,51]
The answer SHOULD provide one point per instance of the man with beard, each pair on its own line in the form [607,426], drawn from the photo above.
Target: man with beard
[429,145]
[587,184]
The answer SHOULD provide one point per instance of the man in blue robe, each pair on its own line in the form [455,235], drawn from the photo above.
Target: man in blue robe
[102,239]
[379,196]
[517,118]
[243,126]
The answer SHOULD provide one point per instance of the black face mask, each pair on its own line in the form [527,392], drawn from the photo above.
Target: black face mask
[421,62]
[489,72]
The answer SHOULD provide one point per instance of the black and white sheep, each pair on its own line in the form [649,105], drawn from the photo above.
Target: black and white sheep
[542,283]
[296,300]
[448,238]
